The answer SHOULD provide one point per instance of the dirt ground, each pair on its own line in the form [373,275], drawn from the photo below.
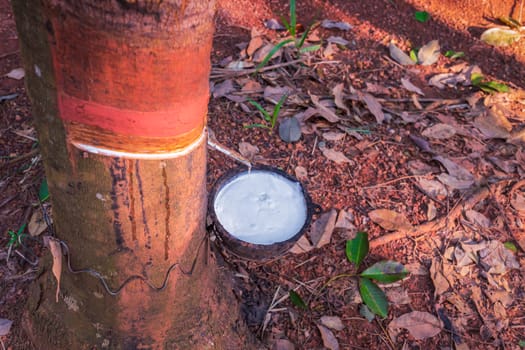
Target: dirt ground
[437,173]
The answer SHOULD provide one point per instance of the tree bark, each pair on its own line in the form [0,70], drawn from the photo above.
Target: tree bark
[119,90]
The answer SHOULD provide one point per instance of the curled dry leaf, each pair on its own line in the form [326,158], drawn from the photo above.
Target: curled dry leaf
[500,36]
[324,111]
[330,24]
[439,131]
[338,40]
[273,24]
[389,219]
[441,284]
[303,245]
[56,252]
[429,53]
[421,325]
[399,56]
[222,89]
[373,106]
[248,150]
[411,87]
[329,340]
[255,43]
[333,136]
[337,91]
[457,177]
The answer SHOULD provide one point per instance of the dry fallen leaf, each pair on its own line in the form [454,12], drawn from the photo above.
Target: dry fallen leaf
[399,56]
[301,173]
[441,284]
[457,177]
[283,344]
[5,326]
[389,219]
[321,230]
[36,224]
[222,89]
[56,252]
[411,87]
[439,131]
[332,322]
[330,24]
[493,124]
[497,259]
[373,106]
[421,325]
[337,91]
[398,296]
[303,245]
[429,53]
[477,218]
[17,73]
[334,155]
[324,111]
[432,188]
[333,136]
[329,340]
[248,150]
[255,43]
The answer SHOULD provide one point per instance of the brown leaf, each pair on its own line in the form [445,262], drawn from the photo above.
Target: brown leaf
[398,296]
[56,251]
[421,325]
[36,224]
[324,111]
[255,43]
[248,150]
[337,91]
[222,89]
[411,87]
[283,344]
[303,245]
[441,284]
[477,218]
[274,94]
[493,124]
[389,219]
[334,155]
[497,259]
[332,322]
[373,106]
[432,188]
[321,229]
[329,340]
[458,177]
[439,131]
[333,136]
[301,173]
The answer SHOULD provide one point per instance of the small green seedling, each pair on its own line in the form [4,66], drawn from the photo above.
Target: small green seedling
[490,87]
[270,119]
[454,54]
[413,55]
[15,239]
[291,27]
[421,16]
[296,299]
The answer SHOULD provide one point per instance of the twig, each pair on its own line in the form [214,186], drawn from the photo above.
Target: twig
[222,73]
[392,181]
[434,225]
[24,156]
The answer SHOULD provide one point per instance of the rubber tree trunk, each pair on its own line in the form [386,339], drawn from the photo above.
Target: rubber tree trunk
[119,91]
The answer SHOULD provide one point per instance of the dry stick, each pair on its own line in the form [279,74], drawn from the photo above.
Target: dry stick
[221,73]
[434,225]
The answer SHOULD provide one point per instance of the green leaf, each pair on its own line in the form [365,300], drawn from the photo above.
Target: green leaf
[296,299]
[310,48]
[285,23]
[373,297]
[386,271]
[511,246]
[493,86]
[277,109]
[357,248]
[43,192]
[293,18]
[453,54]
[413,55]
[521,343]
[422,16]
[256,125]
[264,112]
[476,78]
[272,52]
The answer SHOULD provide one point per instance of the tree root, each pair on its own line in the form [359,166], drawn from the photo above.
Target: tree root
[434,225]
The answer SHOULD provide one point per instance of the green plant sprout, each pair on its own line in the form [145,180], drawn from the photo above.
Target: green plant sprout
[15,238]
[270,119]
[291,27]
[490,87]
[386,271]
[454,54]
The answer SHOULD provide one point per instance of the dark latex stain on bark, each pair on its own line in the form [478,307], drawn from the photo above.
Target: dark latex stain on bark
[141,198]
[167,206]
[131,212]
[118,183]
